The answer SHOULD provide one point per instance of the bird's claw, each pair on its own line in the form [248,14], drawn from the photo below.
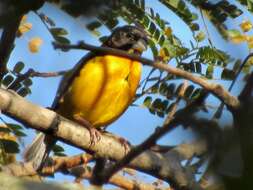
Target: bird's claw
[95,136]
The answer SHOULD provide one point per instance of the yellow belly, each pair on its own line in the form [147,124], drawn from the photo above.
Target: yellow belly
[104,89]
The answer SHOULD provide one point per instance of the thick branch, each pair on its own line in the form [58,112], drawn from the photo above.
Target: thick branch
[73,166]
[156,164]
[116,179]
[7,43]
[216,89]
[13,183]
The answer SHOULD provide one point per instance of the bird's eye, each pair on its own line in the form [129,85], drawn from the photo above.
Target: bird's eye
[130,36]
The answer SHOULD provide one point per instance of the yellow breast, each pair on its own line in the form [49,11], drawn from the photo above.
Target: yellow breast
[103,90]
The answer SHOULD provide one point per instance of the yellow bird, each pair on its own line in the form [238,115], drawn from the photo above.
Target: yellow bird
[103,90]
[97,90]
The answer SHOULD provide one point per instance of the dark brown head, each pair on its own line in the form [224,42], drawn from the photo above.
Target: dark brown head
[128,38]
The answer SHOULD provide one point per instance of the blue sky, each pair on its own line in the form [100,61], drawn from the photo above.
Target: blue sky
[136,123]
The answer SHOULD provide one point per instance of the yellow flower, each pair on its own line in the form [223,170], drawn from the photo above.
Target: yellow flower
[34,44]
[246,25]
[162,54]
[200,36]
[24,26]
[168,31]
[250,41]
[238,39]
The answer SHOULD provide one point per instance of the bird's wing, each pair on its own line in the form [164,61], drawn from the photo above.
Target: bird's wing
[68,78]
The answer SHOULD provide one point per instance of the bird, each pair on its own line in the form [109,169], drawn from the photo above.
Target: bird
[97,90]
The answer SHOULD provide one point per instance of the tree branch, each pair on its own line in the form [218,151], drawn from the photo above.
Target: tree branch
[145,145]
[117,179]
[216,89]
[13,183]
[218,113]
[73,166]
[153,163]
[7,43]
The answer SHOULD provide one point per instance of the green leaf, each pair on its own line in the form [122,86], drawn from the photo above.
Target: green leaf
[17,87]
[147,102]
[19,67]
[16,129]
[47,19]
[161,40]
[152,28]
[9,146]
[160,114]
[153,48]
[180,8]
[237,65]
[200,36]
[4,129]
[168,110]
[24,91]
[103,39]
[198,67]
[178,89]
[157,34]
[171,90]
[59,154]
[27,82]
[58,31]
[62,39]
[19,133]
[8,80]
[233,33]
[194,26]
[14,126]
[189,90]
[155,88]
[93,25]
[209,71]
[227,74]
[209,55]
[152,110]
[58,148]
[163,88]
[157,104]
[196,93]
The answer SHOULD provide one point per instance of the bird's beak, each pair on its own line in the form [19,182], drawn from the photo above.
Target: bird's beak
[140,46]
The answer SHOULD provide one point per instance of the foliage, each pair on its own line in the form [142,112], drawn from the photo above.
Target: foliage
[158,92]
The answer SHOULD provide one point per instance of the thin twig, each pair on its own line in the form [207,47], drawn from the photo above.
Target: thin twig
[216,89]
[75,166]
[149,89]
[206,28]
[218,113]
[149,142]
[84,172]
[147,78]
[48,74]
[33,73]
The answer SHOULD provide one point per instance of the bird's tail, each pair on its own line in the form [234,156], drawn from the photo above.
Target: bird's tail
[38,152]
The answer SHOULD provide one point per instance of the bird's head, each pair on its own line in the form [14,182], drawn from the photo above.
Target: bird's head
[128,38]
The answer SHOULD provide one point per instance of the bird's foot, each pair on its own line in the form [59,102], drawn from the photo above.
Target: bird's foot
[95,135]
